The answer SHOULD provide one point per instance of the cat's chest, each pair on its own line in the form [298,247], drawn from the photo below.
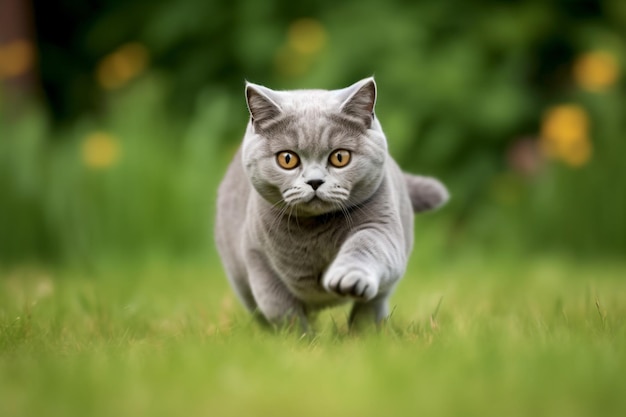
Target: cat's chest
[300,252]
[300,249]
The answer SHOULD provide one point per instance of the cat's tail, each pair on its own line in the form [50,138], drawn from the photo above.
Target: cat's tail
[426,193]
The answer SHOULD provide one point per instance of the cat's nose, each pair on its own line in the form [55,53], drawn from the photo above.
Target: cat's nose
[315,184]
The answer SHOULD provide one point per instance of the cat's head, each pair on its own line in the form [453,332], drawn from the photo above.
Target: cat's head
[314,151]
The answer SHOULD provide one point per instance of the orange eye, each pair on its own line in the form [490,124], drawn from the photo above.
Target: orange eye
[339,158]
[287,159]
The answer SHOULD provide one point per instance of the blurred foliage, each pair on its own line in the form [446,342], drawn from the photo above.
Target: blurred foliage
[517,105]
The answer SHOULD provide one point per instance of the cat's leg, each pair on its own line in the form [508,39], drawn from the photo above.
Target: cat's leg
[277,305]
[366,312]
[366,269]
[243,291]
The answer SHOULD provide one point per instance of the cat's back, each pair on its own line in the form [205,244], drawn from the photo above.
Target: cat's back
[232,200]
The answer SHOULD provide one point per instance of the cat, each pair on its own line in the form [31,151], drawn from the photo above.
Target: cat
[313,211]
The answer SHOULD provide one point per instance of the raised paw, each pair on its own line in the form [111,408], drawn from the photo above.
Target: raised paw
[351,282]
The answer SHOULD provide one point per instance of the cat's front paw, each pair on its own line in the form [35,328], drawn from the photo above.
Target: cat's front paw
[351,282]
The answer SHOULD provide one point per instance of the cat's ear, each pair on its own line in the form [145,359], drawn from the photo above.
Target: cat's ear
[358,101]
[261,104]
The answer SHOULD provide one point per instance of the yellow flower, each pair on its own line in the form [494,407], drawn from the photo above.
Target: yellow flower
[122,65]
[565,134]
[577,153]
[305,38]
[16,58]
[596,71]
[100,150]
[290,63]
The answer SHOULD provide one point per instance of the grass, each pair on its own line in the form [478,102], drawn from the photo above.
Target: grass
[470,335]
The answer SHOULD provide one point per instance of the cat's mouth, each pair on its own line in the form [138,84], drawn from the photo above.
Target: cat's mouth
[316,201]
[315,205]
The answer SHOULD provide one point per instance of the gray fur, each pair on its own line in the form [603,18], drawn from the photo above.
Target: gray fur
[289,249]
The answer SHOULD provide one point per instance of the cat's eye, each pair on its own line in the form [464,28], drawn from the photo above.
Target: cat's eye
[339,158]
[287,159]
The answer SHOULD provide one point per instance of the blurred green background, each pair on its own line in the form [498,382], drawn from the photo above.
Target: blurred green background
[117,118]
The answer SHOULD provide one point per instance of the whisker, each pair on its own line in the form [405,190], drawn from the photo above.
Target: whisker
[363,208]
[298,224]
[347,215]
[340,205]
[277,216]
[289,213]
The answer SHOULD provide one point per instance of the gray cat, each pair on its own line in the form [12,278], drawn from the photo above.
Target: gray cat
[313,211]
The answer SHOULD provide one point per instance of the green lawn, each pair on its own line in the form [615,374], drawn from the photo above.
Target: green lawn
[469,335]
